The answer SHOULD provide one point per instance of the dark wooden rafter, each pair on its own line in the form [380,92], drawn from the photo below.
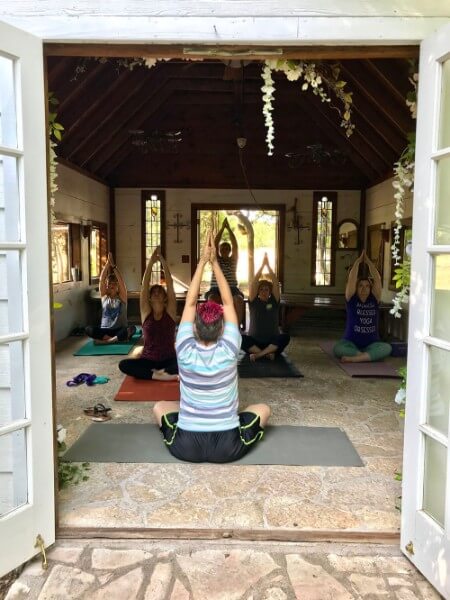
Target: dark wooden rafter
[228,52]
[393,109]
[214,104]
[327,121]
[127,148]
[73,90]
[386,72]
[371,113]
[80,116]
[89,140]
[146,106]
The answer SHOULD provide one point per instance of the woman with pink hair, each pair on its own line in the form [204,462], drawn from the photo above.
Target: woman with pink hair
[205,425]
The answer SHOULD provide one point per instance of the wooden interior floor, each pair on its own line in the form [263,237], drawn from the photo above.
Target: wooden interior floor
[247,498]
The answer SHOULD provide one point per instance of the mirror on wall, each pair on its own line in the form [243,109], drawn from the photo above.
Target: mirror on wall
[347,238]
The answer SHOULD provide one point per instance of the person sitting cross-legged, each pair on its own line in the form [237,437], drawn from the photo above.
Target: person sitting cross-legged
[158,313]
[205,425]
[113,291]
[361,341]
[264,338]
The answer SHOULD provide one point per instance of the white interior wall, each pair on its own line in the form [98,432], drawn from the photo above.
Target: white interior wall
[79,198]
[380,208]
[297,258]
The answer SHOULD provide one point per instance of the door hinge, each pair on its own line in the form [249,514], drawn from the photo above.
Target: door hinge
[40,544]
[409,548]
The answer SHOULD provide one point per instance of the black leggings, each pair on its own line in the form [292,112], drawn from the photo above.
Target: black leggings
[281,340]
[141,368]
[97,333]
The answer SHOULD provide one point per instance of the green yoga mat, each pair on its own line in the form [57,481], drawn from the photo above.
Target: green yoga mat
[91,349]
[281,445]
[281,366]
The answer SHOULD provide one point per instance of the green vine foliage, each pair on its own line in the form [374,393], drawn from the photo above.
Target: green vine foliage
[55,129]
[70,473]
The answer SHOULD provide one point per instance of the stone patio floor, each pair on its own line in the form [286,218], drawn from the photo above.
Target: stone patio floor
[142,570]
[252,497]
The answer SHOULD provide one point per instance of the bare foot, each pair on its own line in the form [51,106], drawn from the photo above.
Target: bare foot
[358,358]
[106,340]
[162,375]
[253,357]
[271,356]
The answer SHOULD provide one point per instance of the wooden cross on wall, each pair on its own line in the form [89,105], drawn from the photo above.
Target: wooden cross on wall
[178,225]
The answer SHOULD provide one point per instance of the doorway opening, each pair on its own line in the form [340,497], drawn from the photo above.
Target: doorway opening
[205,497]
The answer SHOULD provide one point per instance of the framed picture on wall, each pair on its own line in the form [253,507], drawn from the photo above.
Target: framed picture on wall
[405,238]
[375,246]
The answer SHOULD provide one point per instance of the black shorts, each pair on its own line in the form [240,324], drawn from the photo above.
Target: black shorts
[211,446]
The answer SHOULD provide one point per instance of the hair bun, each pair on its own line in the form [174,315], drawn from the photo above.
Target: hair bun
[210,312]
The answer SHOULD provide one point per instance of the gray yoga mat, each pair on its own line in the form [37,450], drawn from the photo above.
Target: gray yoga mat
[281,366]
[380,369]
[281,445]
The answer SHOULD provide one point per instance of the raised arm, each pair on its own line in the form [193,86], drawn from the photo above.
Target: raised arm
[253,288]
[104,275]
[144,301]
[171,298]
[377,286]
[233,241]
[350,288]
[190,305]
[229,312]
[123,294]
[219,235]
[273,278]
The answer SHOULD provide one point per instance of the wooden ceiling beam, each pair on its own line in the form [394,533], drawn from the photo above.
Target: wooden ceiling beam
[145,108]
[397,112]
[387,73]
[227,52]
[77,89]
[92,129]
[354,147]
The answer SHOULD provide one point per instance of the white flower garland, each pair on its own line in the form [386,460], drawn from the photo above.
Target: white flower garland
[314,77]
[268,89]
[403,185]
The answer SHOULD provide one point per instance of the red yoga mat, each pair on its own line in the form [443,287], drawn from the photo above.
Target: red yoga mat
[142,390]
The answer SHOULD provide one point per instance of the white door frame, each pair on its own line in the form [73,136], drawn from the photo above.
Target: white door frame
[422,539]
[28,387]
[320,24]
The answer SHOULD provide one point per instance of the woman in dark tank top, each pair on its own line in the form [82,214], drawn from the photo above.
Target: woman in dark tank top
[158,315]
[361,342]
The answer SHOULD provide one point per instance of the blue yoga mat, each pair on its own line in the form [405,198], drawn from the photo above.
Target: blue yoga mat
[91,349]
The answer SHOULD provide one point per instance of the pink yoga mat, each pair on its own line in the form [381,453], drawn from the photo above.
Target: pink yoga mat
[367,369]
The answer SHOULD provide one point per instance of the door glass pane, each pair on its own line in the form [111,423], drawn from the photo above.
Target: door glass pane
[12,391]
[434,480]
[13,471]
[440,313]
[9,200]
[442,232]
[8,126]
[439,384]
[11,313]
[444,127]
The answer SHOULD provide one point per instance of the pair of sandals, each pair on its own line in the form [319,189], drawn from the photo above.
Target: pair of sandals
[99,412]
[87,378]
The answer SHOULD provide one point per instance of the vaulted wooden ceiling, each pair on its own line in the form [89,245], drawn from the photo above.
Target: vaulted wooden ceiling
[102,105]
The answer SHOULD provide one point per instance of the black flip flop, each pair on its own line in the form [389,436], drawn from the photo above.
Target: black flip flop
[97,410]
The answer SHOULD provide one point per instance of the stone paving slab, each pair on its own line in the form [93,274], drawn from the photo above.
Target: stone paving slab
[214,570]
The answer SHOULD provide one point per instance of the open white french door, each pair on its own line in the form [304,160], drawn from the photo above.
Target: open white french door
[425,536]
[26,429]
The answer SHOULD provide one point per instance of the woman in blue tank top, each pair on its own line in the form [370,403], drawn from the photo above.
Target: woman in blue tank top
[361,342]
